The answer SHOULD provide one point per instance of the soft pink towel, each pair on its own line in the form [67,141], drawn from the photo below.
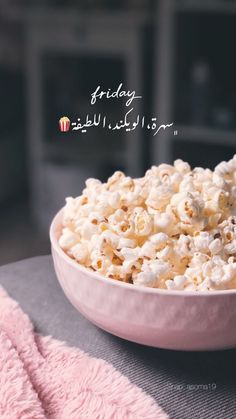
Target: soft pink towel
[42,378]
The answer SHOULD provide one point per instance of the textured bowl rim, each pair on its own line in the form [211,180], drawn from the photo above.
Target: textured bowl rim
[56,222]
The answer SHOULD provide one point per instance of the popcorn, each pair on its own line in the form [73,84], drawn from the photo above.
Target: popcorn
[223,276]
[130,266]
[134,197]
[230,248]
[159,240]
[174,228]
[198,259]
[67,239]
[80,252]
[114,200]
[187,208]
[125,228]
[178,283]
[166,222]
[148,250]
[70,210]
[166,253]
[110,238]
[104,209]
[124,242]
[153,274]
[100,263]
[182,166]
[194,276]
[202,242]
[160,268]
[142,223]
[159,197]
[130,254]
[184,245]
[148,279]
[215,246]
[88,229]
[114,181]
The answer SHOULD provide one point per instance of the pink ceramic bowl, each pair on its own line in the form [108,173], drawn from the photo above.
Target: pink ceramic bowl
[164,319]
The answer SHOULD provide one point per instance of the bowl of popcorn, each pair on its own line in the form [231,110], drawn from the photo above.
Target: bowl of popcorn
[153,259]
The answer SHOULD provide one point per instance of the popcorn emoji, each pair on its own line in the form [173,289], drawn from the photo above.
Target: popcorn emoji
[64,124]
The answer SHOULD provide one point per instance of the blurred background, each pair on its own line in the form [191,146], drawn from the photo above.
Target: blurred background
[177,54]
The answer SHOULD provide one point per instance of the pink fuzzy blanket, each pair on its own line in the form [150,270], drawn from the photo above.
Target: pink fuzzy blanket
[42,378]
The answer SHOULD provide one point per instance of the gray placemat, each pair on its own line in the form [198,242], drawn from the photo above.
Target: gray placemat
[186,384]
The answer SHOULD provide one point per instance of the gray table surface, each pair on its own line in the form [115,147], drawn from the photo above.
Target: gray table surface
[183,383]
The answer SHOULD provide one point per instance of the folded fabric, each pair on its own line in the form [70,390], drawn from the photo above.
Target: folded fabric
[42,378]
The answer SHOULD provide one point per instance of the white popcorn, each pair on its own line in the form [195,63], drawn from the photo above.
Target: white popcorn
[191,287]
[67,239]
[159,197]
[99,262]
[134,197]
[96,243]
[148,250]
[80,252]
[95,217]
[227,169]
[92,183]
[222,276]
[125,228]
[175,180]
[182,166]
[130,265]
[130,254]
[174,228]
[178,283]
[221,198]
[117,217]
[166,223]
[124,242]
[215,246]
[160,268]
[127,183]
[70,210]
[230,248]
[218,181]
[148,279]
[211,264]
[85,210]
[104,208]
[186,185]
[142,223]
[166,253]
[188,208]
[202,242]
[159,240]
[114,200]
[115,272]
[230,271]
[114,181]
[184,245]
[110,238]
[165,170]
[88,229]
[198,260]
[194,275]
